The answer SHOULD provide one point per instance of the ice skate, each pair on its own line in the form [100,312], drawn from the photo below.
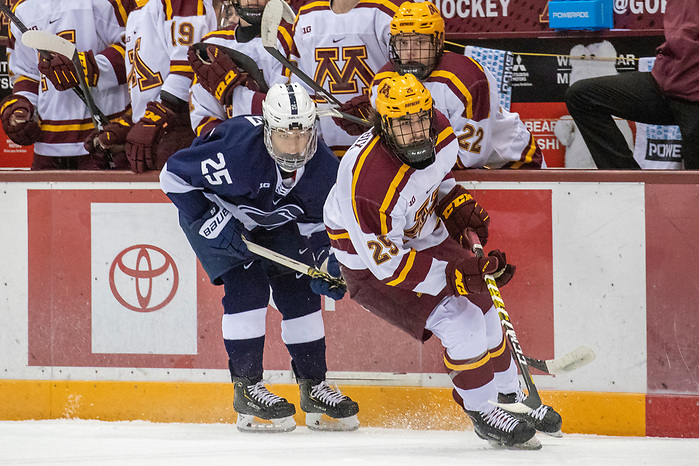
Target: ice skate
[544,418]
[326,408]
[502,430]
[259,410]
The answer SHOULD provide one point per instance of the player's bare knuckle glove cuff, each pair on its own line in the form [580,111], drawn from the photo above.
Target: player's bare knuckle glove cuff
[18,121]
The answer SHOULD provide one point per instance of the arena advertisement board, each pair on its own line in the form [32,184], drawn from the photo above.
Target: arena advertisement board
[474,18]
[114,283]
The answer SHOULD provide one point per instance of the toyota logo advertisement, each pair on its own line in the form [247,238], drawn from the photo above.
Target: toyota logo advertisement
[143,278]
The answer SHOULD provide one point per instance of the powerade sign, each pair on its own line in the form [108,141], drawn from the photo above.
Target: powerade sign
[664,150]
[581,14]
[570,14]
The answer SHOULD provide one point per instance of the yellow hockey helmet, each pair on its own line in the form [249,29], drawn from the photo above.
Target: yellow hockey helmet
[413,19]
[405,108]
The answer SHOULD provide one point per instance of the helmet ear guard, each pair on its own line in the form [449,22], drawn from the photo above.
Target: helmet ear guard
[407,119]
[287,108]
[413,19]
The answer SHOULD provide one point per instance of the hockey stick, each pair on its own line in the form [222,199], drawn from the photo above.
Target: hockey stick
[44,53]
[576,359]
[313,272]
[273,13]
[533,400]
[52,43]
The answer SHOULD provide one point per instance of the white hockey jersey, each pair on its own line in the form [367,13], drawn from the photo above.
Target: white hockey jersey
[158,36]
[488,135]
[342,53]
[380,215]
[96,25]
[205,109]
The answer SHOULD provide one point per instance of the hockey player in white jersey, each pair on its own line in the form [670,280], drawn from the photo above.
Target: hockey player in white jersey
[341,44]
[43,109]
[265,178]
[396,218]
[222,89]
[463,90]
[158,36]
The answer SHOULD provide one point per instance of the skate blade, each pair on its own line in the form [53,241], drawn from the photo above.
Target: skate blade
[250,423]
[557,434]
[319,421]
[531,444]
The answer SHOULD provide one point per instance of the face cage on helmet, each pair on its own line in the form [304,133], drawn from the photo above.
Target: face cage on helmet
[417,154]
[251,15]
[428,57]
[291,162]
[226,14]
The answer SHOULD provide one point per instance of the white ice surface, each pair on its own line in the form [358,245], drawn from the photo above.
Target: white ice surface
[80,442]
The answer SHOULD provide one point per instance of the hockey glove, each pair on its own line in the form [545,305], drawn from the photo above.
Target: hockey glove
[459,211]
[60,70]
[18,122]
[331,266]
[113,134]
[223,231]
[505,271]
[143,138]
[219,75]
[360,107]
[465,275]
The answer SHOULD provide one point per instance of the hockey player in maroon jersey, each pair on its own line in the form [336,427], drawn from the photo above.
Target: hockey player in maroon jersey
[158,36]
[463,90]
[395,219]
[222,90]
[43,108]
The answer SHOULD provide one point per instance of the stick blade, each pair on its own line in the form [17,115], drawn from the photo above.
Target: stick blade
[520,408]
[41,40]
[288,14]
[576,359]
[271,18]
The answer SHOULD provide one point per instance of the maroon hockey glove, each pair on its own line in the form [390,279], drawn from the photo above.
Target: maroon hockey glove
[360,107]
[61,71]
[465,275]
[144,136]
[459,211]
[18,121]
[505,271]
[219,75]
[113,134]
[110,142]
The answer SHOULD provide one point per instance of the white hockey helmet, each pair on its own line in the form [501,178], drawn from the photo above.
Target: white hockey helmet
[288,110]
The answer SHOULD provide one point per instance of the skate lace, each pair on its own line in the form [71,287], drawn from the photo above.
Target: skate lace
[326,394]
[260,393]
[538,413]
[500,420]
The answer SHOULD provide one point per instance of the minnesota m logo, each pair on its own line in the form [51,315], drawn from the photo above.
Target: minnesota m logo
[343,81]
